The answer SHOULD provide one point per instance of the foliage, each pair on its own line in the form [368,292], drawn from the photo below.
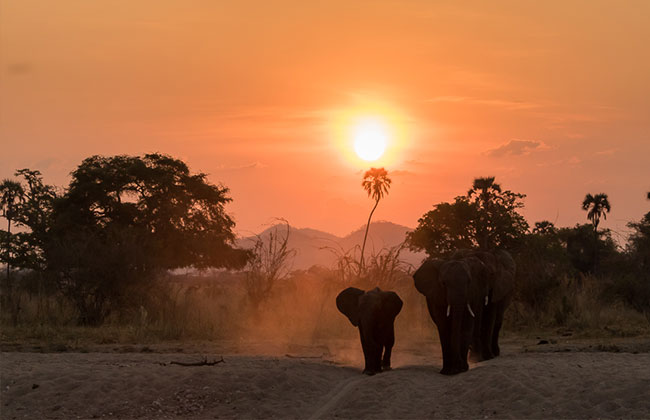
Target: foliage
[32,213]
[638,246]
[583,246]
[487,217]
[542,262]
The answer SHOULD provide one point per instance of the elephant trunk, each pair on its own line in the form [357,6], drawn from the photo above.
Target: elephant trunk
[457,316]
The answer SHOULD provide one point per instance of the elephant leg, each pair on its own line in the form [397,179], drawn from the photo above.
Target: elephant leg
[468,334]
[389,341]
[371,352]
[476,353]
[456,340]
[498,322]
[487,330]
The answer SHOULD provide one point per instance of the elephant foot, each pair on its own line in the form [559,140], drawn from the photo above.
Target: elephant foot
[475,357]
[450,371]
[371,372]
[487,356]
[496,351]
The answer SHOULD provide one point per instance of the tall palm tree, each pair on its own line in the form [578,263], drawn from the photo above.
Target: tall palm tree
[11,192]
[597,206]
[376,183]
[485,189]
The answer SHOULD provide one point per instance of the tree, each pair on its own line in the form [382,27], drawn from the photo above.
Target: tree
[270,262]
[487,217]
[446,228]
[597,206]
[497,221]
[124,219]
[11,193]
[376,183]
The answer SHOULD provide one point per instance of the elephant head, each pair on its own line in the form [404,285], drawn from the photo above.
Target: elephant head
[426,277]
[348,303]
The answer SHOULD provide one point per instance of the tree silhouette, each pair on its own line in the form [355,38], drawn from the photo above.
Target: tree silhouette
[597,206]
[485,189]
[376,183]
[11,193]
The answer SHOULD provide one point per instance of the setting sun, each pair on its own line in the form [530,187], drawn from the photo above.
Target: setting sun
[370,139]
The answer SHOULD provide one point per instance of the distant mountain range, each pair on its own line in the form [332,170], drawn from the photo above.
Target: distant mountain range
[314,247]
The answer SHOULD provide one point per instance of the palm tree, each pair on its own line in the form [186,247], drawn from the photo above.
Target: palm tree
[597,206]
[485,188]
[376,183]
[11,192]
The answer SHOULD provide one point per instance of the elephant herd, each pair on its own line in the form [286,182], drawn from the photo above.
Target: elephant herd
[466,295]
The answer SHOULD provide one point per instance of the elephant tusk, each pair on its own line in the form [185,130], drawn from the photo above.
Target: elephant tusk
[448,309]
[469,308]
[486,300]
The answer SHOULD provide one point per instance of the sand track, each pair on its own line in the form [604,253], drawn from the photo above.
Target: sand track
[133,385]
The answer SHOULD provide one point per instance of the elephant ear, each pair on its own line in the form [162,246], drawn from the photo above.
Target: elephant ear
[426,277]
[505,275]
[391,304]
[348,303]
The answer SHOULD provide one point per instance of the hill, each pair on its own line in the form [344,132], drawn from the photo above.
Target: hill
[314,247]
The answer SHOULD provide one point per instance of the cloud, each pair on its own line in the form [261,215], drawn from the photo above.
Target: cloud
[516,148]
[506,104]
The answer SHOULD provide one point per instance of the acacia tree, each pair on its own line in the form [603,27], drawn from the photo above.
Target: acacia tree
[376,183]
[124,219]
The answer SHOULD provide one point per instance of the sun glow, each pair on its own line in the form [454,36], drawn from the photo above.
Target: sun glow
[370,131]
[370,139]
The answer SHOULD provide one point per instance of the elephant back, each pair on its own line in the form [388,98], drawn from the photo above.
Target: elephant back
[505,275]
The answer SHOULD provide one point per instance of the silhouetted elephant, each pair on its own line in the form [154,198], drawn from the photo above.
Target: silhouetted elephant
[501,282]
[374,313]
[455,291]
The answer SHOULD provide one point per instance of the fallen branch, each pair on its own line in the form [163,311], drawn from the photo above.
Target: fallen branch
[303,357]
[204,362]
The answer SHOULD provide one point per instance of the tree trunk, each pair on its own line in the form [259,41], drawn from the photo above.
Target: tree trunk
[363,247]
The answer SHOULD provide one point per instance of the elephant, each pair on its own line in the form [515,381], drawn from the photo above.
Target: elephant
[501,269]
[455,293]
[374,313]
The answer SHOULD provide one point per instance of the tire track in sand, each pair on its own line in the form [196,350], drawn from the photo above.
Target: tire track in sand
[336,395]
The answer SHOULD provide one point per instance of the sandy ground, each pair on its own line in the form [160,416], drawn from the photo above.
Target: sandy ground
[583,380]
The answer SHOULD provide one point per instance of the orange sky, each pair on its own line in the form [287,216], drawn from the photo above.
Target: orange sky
[552,98]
